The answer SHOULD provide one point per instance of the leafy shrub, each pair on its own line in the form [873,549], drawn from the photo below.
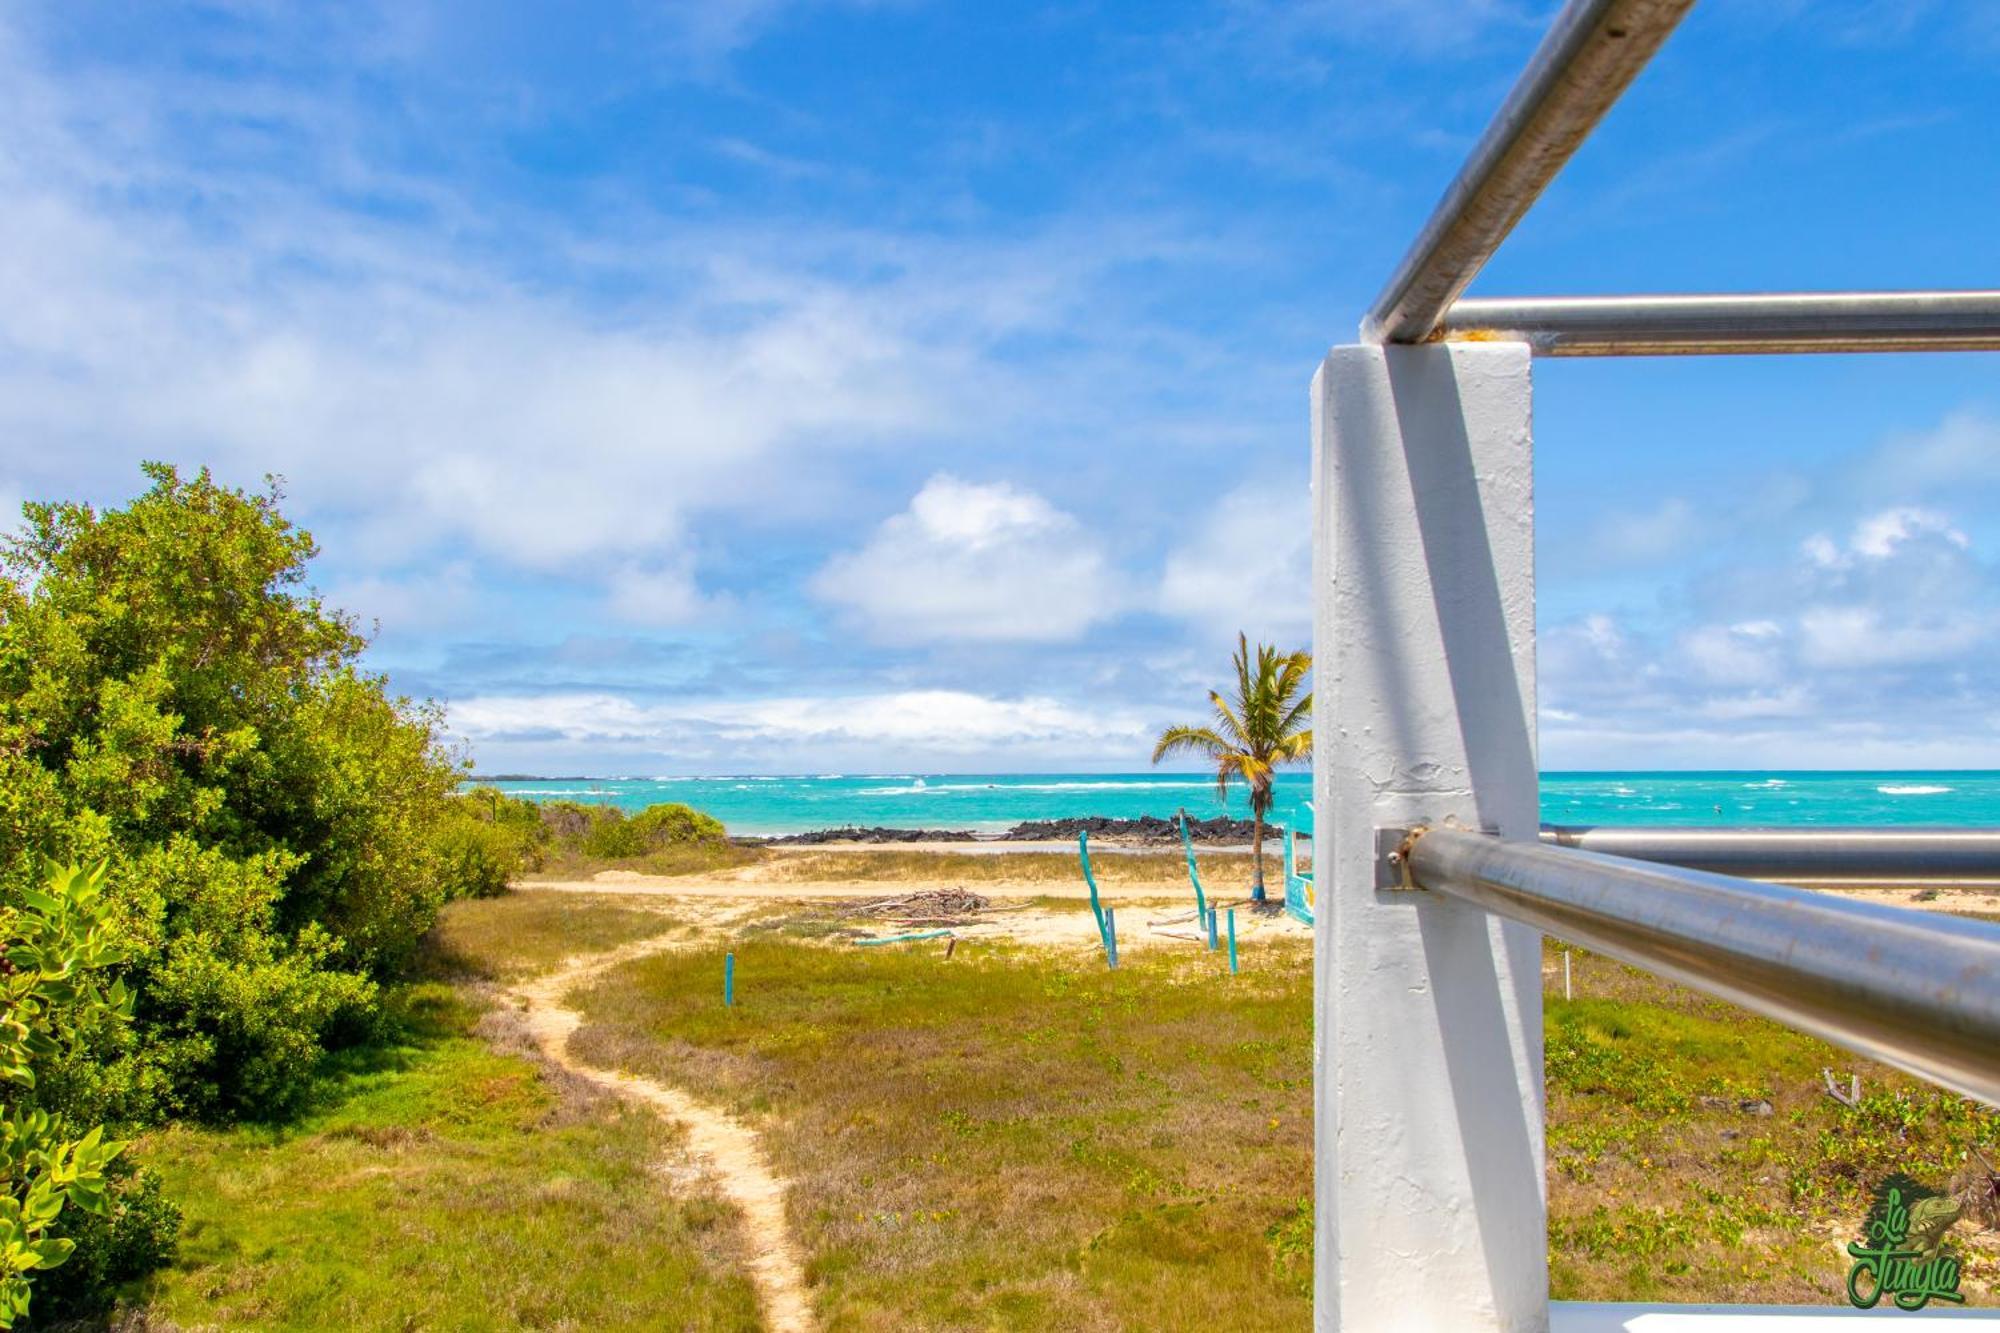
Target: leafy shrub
[134,1235]
[486,840]
[477,859]
[613,837]
[58,946]
[566,822]
[174,699]
[673,823]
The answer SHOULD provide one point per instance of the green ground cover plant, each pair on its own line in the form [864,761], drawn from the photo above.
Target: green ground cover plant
[444,1179]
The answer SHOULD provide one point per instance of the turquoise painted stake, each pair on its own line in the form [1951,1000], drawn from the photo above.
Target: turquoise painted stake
[1110,938]
[1101,912]
[729,978]
[1232,939]
[1298,888]
[1187,846]
[1211,930]
[904,939]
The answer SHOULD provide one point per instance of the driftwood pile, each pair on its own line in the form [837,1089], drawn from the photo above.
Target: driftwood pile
[926,907]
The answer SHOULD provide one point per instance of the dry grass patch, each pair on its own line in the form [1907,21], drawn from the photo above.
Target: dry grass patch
[528,932]
[1223,874]
[1006,1139]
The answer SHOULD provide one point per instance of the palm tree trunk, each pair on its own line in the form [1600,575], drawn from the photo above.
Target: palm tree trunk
[1256,856]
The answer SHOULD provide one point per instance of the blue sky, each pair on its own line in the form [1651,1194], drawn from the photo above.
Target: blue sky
[792,385]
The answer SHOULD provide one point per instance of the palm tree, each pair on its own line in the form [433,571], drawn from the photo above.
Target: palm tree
[1268,723]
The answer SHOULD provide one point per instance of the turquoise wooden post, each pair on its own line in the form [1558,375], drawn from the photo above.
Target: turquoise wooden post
[1194,878]
[1212,945]
[904,939]
[1232,939]
[729,978]
[1110,938]
[1100,912]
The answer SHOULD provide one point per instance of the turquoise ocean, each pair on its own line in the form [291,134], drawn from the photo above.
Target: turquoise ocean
[992,802]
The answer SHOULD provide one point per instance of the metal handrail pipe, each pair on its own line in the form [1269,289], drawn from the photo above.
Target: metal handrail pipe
[1740,324]
[1806,855]
[1917,990]
[1591,53]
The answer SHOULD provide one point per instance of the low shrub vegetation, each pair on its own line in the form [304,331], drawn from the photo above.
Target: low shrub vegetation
[502,838]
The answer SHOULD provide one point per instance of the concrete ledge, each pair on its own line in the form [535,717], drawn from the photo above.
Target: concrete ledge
[1592,1317]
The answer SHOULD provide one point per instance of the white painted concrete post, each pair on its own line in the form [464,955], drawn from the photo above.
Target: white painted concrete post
[1431,1211]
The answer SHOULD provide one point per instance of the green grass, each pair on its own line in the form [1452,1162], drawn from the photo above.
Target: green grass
[1008,1139]
[690,858]
[1662,1186]
[526,933]
[1005,1141]
[442,1184]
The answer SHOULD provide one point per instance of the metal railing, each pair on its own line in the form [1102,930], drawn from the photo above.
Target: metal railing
[1431,1202]
[1915,990]
[1590,56]
[1760,322]
[1834,856]
[1895,1004]
[1592,52]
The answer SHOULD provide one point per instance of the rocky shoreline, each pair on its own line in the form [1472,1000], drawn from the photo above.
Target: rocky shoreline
[1145,829]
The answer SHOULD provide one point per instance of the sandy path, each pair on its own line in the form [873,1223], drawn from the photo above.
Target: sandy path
[729,1147]
[1147,918]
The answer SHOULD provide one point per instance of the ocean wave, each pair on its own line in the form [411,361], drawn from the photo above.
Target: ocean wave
[1768,782]
[1913,791]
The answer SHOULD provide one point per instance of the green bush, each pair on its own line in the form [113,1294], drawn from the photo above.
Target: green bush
[133,1236]
[665,825]
[613,837]
[566,822]
[175,699]
[59,947]
[479,856]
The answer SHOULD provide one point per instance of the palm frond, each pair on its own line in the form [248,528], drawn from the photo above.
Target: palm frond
[1201,740]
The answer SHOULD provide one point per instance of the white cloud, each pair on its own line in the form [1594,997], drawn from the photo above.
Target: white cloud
[411,603]
[658,593]
[1961,450]
[1871,650]
[1666,532]
[1248,564]
[429,392]
[876,729]
[1878,535]
[971,561]
[1744,654]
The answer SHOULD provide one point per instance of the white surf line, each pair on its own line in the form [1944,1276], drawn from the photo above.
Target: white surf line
[728,1145]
